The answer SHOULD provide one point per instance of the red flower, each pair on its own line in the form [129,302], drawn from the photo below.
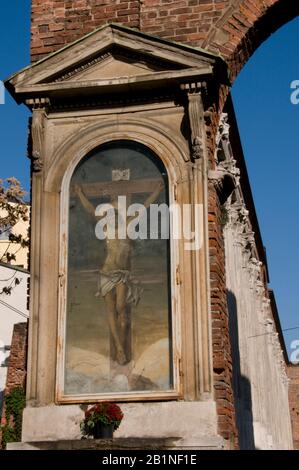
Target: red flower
[108,413]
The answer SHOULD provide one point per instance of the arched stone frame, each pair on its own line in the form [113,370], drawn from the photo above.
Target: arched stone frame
[191,318]
[114,136]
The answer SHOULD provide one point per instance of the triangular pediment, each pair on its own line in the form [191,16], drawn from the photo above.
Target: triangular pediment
[112,67]
[111,55]
[115,62]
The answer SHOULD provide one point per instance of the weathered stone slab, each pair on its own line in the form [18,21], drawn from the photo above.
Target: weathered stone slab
[172,443]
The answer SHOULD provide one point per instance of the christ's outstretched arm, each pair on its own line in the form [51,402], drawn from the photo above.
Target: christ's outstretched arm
[84,201]
[150,200]
[154,196]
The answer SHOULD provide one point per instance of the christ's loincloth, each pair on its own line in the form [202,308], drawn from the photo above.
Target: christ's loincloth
[110,279]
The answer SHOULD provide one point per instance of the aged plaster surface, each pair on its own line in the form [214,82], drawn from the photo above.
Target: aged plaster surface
[138,421]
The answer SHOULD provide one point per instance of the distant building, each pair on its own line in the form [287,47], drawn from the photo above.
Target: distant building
[21,228]
[13,307]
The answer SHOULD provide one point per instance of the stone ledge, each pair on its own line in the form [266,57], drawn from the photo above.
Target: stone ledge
[171,443]
[98,444]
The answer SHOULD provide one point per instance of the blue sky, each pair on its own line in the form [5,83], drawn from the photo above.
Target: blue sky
[14,54]
[269,128]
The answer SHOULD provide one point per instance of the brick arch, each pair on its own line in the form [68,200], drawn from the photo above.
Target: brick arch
[244,26]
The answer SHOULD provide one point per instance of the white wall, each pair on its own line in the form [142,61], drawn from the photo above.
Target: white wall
[260,380]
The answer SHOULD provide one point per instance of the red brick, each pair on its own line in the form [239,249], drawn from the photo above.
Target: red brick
[17,362]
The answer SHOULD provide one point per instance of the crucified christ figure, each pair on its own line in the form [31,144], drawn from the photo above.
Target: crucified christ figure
[116,285]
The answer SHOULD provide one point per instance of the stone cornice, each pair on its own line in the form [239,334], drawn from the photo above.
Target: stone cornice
[141,63]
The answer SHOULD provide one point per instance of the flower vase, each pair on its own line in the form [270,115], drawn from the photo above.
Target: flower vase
[103,431]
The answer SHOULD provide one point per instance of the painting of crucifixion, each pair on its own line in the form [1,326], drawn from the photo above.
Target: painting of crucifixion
[118,327]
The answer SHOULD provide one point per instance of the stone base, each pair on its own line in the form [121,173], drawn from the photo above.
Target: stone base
[193,423]
[174,443]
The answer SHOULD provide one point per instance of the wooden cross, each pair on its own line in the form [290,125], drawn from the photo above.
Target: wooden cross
[121,188]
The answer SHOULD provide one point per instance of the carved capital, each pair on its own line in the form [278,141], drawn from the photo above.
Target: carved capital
[196,118]
[36,151]
[37,163]
[197,149]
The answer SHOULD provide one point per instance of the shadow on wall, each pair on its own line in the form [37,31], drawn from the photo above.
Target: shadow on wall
[241,384]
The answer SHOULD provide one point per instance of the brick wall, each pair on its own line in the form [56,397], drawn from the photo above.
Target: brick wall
[222,358]
[233,28]
[293,373]
[55,23]
[16,373]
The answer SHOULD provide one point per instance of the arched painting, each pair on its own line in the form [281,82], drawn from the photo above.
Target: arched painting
[118,321]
